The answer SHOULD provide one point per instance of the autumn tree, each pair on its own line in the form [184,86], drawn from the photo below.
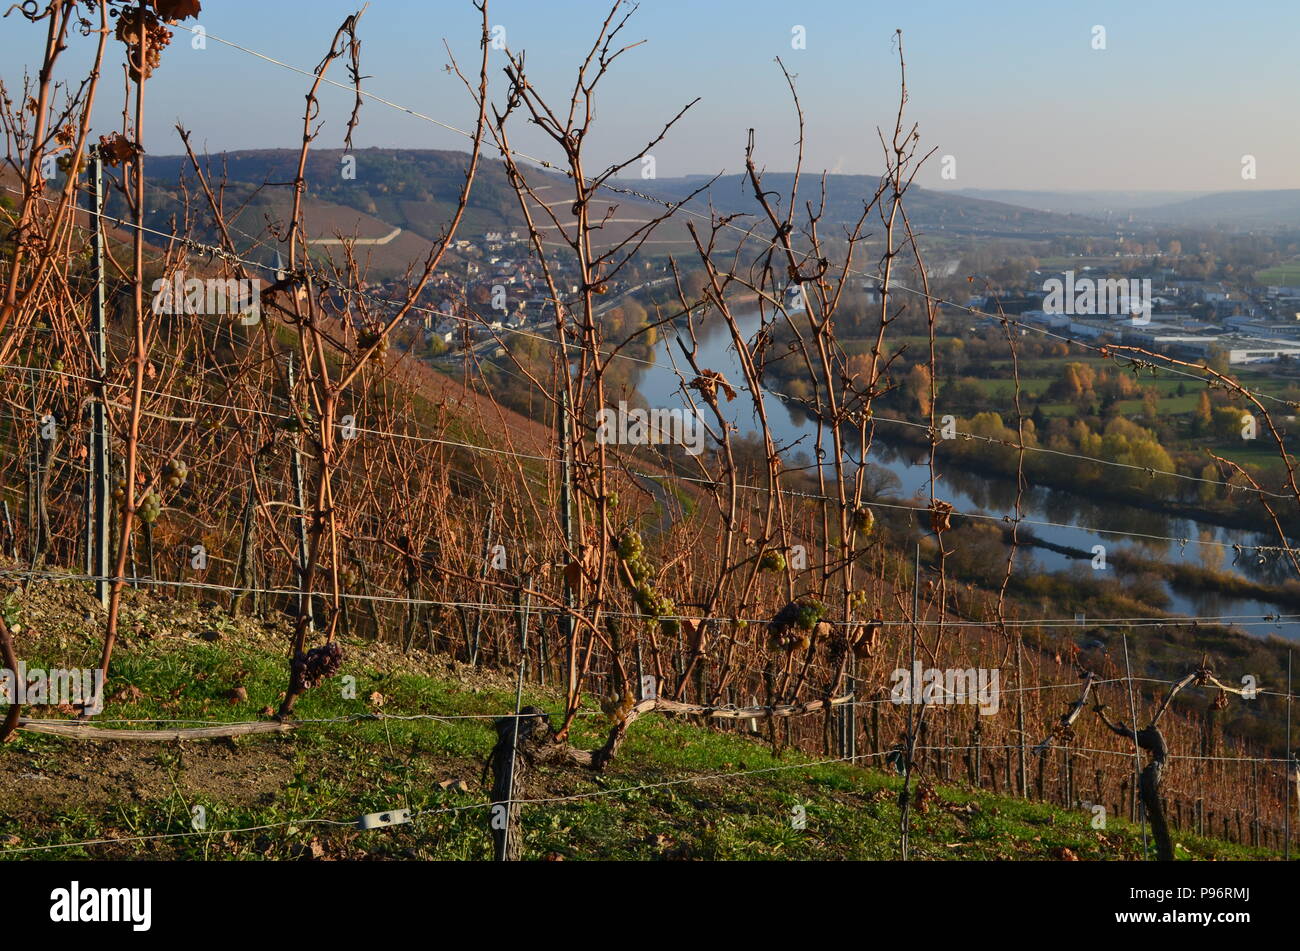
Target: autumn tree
[917,388]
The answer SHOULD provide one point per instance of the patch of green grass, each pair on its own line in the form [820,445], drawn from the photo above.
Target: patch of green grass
[676,789]
[1259,451]
[684,498]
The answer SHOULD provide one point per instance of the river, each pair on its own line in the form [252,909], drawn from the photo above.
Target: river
[978,492]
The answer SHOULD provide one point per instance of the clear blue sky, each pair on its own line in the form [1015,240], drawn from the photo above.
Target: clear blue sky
[1014,90]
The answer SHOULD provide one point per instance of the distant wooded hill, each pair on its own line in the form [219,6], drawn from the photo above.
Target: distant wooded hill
[416,190]
[1238,210]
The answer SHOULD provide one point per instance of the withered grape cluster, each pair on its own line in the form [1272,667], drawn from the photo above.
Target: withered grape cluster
[319,663]
[134,22]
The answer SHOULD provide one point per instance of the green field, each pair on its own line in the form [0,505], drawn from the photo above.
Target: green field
[1167,406]
[1286,274]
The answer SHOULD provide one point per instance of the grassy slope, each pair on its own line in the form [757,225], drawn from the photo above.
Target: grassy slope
[181,662]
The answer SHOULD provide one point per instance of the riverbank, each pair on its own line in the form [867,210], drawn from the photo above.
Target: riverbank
[1187,577]
[1043,474]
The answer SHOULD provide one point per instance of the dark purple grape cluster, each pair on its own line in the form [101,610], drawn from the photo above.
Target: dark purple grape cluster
[319,663]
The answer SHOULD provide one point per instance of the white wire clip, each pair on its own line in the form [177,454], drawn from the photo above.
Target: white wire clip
[381,820]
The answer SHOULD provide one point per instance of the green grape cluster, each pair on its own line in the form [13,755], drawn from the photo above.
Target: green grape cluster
[630,547]
[69,164]
[648,601]
[617,706]
[290,423]
[174,474]
[150,507]
[794,624]
[864,520]
[772,561]
[370,336]
[810,612]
